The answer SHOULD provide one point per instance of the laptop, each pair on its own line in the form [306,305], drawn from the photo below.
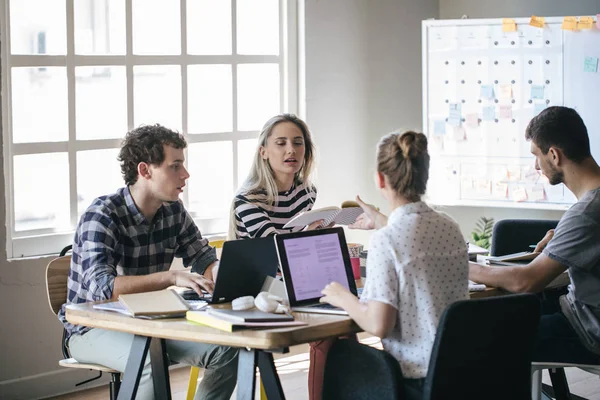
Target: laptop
[243,268]
[309,261]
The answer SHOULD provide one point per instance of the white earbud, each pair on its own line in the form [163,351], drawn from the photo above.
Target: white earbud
[242,303]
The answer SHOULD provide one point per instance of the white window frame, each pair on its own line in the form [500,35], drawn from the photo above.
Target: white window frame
[50,241]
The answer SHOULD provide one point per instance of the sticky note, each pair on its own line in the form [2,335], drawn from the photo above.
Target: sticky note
[488,113]
[509,25]
[505,91]
[483,186]
[486,92]
[439,127]
[505,111]
[569,24]
[454,114]
[598,21]
[537,91]
[500,189]
[538,22]
[472,120]
[519,194]
[590,64]
[537,193]
[585,23]
[538,108]
[513,173]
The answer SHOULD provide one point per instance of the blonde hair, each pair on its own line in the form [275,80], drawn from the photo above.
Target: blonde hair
[261,177]
[404,160]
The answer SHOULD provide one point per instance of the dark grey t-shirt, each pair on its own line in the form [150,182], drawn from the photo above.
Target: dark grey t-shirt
[576,245]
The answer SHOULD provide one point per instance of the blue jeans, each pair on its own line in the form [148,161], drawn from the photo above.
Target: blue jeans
[556,340]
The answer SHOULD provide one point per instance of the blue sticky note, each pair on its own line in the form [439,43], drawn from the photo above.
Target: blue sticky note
[537,91]
[439,127]
[538,108]
[487,92]
[454,114]
[489,113]
[590,64]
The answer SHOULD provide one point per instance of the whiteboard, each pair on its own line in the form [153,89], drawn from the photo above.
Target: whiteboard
[481,87]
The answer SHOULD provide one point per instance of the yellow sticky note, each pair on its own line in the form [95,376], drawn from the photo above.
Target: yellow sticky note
[585,23]
[538,22]
[505,91]
[569,24]
[519,194]
[509,25]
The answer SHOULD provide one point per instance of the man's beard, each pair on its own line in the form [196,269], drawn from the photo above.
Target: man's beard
[556,177]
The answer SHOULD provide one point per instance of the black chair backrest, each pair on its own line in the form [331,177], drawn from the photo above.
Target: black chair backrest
[515,235]
[483,348]
[357,371]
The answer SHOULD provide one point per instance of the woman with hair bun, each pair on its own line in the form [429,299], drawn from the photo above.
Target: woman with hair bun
[417,262]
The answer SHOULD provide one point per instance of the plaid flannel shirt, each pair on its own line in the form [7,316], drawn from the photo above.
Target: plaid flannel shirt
[113,238]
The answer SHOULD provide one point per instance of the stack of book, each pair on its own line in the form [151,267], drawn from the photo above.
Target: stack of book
[231,320]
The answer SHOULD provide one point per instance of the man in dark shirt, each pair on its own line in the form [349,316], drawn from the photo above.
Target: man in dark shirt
[571,332]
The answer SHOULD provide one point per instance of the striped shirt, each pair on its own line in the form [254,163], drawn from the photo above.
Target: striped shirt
[114,238]
[255,218]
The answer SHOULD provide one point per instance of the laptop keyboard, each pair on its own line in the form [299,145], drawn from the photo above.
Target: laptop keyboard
[325,306]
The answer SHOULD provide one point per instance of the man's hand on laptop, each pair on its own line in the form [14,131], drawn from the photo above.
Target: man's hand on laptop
[196,282]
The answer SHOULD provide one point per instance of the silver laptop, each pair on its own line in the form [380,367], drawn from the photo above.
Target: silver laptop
[309,261]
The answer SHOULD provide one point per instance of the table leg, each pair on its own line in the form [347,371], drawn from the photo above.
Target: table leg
[269,377]
[160,369]
[246,380]
[134,367]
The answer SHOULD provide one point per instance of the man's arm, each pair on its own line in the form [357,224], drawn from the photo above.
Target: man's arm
[530,278]
[159,281]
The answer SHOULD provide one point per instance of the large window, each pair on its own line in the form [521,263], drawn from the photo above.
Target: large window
[78,74]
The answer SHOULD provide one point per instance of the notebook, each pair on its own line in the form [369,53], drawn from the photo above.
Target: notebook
[309,261]
[248,315]
[204,318]
[161,302]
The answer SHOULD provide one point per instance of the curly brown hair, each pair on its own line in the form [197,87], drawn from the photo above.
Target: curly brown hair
[146,144]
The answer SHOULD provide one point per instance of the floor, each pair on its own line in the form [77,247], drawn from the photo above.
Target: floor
[293,370]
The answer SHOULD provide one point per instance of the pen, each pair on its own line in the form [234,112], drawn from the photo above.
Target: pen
[532,246]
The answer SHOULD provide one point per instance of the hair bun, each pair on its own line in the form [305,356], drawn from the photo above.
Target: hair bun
[411,144]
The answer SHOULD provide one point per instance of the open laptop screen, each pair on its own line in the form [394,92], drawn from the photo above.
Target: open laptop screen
[310,260]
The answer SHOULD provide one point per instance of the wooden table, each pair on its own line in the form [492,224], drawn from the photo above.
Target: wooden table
[256,346]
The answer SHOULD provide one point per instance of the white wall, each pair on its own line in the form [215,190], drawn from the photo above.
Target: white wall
[363,80]
[451,9]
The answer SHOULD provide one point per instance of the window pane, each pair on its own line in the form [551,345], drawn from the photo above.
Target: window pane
[101,100]
[94,163]
[258,27]
[157,95]
[99,26]
[38,27]
[258,95]
[39,104]
[246,151]
[210,99]
[211,169]
[41,184]
[208,27]
[156,27]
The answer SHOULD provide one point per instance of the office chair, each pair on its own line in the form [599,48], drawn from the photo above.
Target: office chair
[516,235]
[482,350]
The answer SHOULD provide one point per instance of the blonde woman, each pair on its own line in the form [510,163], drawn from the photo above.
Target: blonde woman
[417,263]
[277,189]
[278,184]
